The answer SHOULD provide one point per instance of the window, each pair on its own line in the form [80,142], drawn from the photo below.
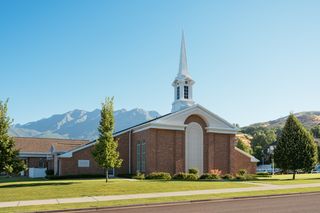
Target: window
[186,92]
[178,93]
[83,163]
[138,158]
[141,156]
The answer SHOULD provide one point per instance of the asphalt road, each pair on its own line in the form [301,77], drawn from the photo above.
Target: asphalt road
[287,203]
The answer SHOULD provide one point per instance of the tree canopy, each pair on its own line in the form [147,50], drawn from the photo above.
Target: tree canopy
[244,147]
[296,149]
[9,160]
[105,151]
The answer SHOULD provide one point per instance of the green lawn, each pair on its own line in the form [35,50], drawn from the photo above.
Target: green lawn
[153,200]
[44,189]
[287,179]
[14,189]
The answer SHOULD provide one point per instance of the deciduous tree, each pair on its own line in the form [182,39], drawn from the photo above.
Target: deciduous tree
[105,151]
[9,160]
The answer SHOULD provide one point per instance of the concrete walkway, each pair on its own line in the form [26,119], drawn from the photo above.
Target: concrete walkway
[259,187]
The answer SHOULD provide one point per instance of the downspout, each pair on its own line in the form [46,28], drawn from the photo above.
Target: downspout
[130,133]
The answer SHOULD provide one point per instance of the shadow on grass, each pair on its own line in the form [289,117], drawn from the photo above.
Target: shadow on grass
[36,184]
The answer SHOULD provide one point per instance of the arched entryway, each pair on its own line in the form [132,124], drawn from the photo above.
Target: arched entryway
[194,147]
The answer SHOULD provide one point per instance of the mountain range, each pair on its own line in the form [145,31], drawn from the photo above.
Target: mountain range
[79,124]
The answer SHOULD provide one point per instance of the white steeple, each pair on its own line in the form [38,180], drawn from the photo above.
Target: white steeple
[183,82]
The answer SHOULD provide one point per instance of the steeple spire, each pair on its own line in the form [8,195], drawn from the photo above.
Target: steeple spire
[183,83]
[183,66]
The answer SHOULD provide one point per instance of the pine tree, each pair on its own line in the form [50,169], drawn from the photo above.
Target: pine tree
[105,151]
[296,148]
[9,161]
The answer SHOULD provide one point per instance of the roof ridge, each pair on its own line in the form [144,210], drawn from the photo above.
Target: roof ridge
[53,138]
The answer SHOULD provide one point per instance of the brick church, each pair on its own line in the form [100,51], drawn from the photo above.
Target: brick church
[190,136]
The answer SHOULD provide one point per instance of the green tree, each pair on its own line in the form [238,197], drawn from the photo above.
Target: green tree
[260,142]
[105,151]
[244,147]
[296,148]
[316,131]
[9,160]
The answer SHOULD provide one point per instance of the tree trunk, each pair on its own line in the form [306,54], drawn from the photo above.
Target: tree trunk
[107,175]
[294,175]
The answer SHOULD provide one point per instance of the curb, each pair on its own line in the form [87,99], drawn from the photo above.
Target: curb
[109,208]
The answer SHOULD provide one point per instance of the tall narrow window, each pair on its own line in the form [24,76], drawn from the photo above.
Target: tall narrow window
[178,92]
[186,92]
[143,156]
[138,158]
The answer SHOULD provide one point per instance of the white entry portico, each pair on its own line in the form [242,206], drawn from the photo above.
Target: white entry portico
[194,147]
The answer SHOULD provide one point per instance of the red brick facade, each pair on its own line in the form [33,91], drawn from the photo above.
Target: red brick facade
[69,166]
[165,152]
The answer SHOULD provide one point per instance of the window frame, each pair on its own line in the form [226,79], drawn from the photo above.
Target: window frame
[186,92]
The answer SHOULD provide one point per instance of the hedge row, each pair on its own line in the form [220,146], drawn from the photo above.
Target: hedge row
[193,176]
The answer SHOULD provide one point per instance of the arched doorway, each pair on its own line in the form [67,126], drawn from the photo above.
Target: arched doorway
[194,147]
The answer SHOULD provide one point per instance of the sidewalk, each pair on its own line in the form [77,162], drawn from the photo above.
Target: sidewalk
[259,187]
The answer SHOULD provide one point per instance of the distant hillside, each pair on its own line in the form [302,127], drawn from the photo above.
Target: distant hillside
[308,119]
[79,124]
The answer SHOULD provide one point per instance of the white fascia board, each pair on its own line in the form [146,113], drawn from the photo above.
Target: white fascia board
[161,126]
[217,117]
[221,130]
[252,158]
[34,154]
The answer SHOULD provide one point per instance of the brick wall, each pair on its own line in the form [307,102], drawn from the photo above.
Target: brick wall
[69,166]
[242,161]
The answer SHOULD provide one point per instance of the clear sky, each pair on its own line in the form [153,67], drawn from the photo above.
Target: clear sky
[252,60]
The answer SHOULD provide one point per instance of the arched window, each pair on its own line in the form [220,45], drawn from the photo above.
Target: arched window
[178,92]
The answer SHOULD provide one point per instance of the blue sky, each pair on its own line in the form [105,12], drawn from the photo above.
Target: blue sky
[252,60]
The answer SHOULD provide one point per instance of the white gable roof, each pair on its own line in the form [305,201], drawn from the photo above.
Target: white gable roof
[175,121]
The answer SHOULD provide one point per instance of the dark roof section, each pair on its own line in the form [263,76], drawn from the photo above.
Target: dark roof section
[43,145]
[140,124]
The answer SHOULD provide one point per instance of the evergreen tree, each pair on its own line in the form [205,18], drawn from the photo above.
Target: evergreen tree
[9,161]
[296,148]
[243,146]
[316,131]
[105,150]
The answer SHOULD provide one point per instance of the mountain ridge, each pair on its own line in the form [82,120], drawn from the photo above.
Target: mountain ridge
[307,118]
[79,124]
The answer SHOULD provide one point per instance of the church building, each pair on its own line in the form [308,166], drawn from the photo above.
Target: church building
[190,136]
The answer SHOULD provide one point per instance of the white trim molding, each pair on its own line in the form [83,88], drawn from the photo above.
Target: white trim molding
[221,130]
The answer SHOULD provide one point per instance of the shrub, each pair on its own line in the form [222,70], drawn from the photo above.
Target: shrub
[227,177]
[185,176]
[208,176]
[193,171]
[159,176]
[192,177]
[246,177]
[215,172]
[49,172]
[139,176]
[242,172]
[180,176]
